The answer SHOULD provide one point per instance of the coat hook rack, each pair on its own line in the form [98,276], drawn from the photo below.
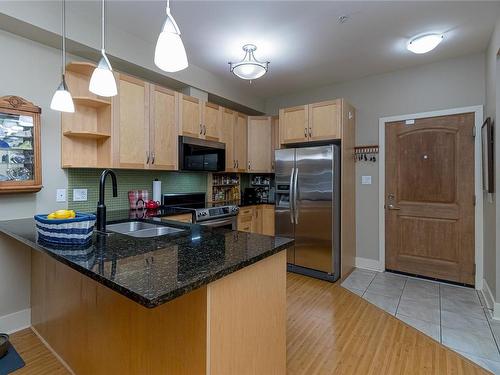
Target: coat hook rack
[366,153]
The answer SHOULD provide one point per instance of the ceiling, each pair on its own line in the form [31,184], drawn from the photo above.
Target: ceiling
[305,44]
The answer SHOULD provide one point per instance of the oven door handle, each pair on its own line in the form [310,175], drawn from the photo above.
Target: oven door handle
[215,223]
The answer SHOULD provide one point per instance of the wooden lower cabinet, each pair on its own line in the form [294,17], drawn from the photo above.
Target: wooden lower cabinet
[209,331]
[257,219]
[183,218]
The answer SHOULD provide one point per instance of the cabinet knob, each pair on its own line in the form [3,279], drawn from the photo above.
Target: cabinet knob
[204,130]
[201,129]
[310,132]
[147,157]
[249,168]
[305,132]
[152,158]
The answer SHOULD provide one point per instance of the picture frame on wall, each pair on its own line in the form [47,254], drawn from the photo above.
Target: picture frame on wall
[487,155]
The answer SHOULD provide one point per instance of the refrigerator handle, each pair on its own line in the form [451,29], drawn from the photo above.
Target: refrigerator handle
[295,193]
[290,197]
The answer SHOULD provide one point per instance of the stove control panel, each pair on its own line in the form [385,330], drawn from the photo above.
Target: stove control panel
[215,212]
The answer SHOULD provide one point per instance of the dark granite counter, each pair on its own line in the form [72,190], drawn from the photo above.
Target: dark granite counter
[155,270]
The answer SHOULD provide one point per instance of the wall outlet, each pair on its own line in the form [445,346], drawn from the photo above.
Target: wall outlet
[366,180]
[61,195]
[79,195]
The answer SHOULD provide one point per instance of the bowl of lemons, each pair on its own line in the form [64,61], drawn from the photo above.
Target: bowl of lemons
[65,227]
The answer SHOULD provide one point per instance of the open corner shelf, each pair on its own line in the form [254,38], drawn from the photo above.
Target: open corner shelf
[86,135]
[91,102]
[81,67]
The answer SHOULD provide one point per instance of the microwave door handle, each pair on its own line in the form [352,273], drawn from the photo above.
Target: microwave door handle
[295,194]
[290,197]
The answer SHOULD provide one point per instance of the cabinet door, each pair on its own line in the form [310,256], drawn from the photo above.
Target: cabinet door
[211,121]
[324,120]
[275,140]
[240,142]
[227,135]
[190,123]
[257,220]
[246,219]
[259,144]
[163,129]
[294,124]
[268,220]
[131,123]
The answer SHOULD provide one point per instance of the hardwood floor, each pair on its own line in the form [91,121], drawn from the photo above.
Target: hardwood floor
[333,331]
[330,331]
[39,360]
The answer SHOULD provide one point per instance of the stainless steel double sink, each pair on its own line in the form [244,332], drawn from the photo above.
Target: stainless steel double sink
[142,229]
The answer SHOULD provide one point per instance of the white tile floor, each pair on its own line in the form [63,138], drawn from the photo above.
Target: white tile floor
[453,315]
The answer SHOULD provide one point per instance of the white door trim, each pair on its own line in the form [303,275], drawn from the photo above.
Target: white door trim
[478,178]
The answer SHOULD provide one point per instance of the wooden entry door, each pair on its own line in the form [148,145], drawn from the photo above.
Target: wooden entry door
[429,197]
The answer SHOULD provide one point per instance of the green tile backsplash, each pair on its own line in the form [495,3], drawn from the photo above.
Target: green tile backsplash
[172,182]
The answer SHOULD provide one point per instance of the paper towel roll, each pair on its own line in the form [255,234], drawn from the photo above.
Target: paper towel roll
[157,191]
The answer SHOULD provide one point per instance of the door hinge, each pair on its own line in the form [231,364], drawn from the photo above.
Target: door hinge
[473,132]
[474,200]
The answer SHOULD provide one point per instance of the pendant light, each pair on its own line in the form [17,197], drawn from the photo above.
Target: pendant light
[170,54]
[103,82]
[62,100]
[249,68]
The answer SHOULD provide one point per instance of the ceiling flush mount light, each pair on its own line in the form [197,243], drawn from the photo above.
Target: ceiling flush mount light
[249,68]
[170,54]
[62,100]
[424,43]
[103,82]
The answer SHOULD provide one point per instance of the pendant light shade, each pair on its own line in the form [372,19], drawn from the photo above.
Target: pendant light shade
[103,82]
[249,68]
[62,100]
[170,54]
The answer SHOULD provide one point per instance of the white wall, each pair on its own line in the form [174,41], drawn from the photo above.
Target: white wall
[32,71]
[491,205]
[448,84]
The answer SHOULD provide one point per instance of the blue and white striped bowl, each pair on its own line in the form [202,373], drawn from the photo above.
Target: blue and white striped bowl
[77,231]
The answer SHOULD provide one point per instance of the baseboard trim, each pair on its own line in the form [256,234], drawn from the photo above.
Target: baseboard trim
[368,264]
[16,321]
[490,300]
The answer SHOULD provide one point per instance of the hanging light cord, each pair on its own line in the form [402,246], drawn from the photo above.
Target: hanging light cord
[102,27]
[168,6]
[63,37]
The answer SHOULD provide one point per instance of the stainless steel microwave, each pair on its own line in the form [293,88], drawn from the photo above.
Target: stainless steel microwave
[201,155]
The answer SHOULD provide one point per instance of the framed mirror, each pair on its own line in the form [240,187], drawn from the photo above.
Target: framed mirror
[20,153]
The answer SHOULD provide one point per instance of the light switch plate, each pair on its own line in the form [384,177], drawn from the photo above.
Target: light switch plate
[61,195]
[79,195]
[366,180]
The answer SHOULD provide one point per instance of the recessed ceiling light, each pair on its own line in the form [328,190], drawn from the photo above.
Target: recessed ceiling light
[424,43]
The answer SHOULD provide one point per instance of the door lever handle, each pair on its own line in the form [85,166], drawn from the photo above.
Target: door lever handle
[392,207]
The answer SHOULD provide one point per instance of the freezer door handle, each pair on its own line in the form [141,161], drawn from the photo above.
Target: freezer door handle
[295,193]
[290,198]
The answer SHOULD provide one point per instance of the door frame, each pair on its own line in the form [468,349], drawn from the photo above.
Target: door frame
[478,178]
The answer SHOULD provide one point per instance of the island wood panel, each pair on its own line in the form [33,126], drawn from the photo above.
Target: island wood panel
[163,129]
[247,320]
[268,220]
[348,189]
[97,331]
[131,123]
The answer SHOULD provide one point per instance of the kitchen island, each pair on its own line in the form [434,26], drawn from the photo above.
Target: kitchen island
[202,301]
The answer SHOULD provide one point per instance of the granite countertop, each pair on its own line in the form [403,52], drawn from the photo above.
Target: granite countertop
[155,270]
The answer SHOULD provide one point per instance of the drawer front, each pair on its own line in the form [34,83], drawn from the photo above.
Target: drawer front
[245,227]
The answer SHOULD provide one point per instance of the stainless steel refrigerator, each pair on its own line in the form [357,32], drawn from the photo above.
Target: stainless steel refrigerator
[308,208]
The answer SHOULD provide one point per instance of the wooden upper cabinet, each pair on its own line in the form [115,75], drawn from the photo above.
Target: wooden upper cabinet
[294,126]
[190,116]
[227,135]
[164,129]
[211,124]
[240,142]
[325,120]
[259,144]
[131,123]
